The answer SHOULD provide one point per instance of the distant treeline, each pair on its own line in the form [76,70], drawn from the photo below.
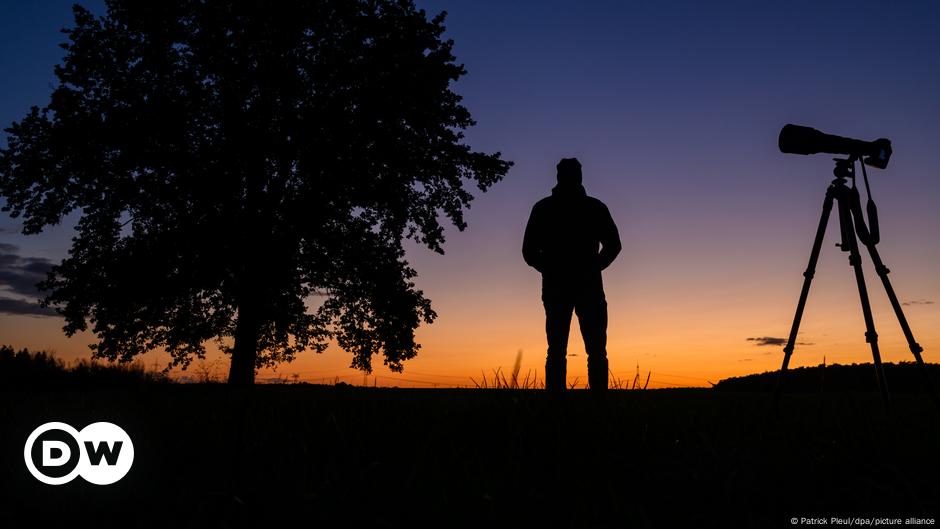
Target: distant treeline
[41,369]
[25,369]
[902,377]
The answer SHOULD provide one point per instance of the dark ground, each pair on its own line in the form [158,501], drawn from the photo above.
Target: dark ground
[340,456]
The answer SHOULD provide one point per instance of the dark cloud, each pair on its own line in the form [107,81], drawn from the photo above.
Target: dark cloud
[19,307]
[768,340]
[19,274]
[773,340]
[917,302]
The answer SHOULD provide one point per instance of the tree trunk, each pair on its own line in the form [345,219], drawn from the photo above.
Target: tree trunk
[245,352]
[251,272]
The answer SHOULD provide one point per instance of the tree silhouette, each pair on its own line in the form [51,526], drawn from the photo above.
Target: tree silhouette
[247,172]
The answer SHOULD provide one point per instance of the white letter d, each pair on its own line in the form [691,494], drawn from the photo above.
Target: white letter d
[63,457]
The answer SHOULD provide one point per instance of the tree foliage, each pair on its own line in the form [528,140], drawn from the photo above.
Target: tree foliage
[247,172]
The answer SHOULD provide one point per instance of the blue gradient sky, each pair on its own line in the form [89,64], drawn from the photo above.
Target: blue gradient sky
[673,109]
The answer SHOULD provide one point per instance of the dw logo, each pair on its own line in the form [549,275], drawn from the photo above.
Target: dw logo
[101,453]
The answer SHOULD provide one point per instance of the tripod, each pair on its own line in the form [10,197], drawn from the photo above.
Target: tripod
[852,223]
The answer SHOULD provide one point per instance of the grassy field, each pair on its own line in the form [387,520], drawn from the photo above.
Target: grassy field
[342,456]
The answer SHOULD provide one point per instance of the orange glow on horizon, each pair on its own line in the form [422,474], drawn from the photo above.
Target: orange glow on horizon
[466,345]
[682,304]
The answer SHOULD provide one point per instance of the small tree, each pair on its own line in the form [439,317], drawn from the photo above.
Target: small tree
[246,172]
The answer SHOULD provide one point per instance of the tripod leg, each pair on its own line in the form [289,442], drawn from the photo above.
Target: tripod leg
[855,260]
[915,347]
[807,281]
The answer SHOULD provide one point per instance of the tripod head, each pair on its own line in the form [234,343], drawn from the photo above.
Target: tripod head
[868,233]
[845,167]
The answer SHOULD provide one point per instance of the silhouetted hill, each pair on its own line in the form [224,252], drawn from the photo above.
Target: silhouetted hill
[901,377]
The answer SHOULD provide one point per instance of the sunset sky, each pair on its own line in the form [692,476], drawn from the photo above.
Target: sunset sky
[673,109]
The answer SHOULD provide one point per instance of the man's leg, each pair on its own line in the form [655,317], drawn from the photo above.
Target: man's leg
[592,318]
[557,325]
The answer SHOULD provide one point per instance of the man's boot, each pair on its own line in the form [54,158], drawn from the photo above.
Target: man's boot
[555,372]
[597,375]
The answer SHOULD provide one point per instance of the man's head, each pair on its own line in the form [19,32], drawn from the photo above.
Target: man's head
[569,172]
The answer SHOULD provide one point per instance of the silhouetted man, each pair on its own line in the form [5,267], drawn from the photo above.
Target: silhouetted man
[570,238]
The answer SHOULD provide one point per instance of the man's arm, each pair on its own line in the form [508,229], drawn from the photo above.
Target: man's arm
[610,239]
[532,240]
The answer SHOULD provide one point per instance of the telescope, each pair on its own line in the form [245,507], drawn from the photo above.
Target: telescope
[855,233]
[797,139]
